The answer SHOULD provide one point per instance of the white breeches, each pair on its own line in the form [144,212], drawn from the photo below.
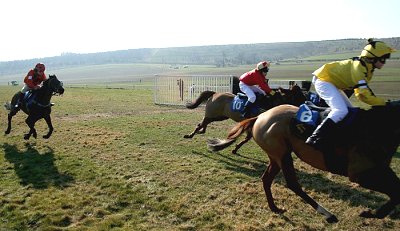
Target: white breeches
[334,97]
[250,91]
[25,89]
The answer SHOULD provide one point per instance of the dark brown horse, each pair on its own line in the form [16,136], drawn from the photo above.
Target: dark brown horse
[218,107]
[366,152]
[37,108]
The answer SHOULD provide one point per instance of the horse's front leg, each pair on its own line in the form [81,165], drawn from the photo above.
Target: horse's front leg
[291,180]
[30,121]
[382,180]
[50,125]
[381,212]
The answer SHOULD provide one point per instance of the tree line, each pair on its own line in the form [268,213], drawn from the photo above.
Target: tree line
[219,55]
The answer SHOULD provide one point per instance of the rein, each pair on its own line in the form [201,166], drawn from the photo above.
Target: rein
[46,89]
[41,105]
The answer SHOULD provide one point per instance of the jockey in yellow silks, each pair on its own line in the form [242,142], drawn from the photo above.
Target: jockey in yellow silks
[332,78]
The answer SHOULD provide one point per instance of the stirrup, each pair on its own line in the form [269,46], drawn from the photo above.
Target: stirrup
[320,145]
[311,140]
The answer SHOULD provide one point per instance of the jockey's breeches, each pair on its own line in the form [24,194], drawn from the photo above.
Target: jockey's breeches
[250,91]
[334,97]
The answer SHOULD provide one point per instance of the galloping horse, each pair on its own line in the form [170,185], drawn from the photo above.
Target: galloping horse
[218,107]
[369,143]
[37,107]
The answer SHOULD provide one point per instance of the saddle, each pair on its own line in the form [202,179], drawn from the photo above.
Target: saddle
[309,116]
[239,101]
[307,119]
[29,98]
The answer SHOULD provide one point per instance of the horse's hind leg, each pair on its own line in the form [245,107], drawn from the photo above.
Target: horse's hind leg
[267,179]
[9,119]
[382,180]
[32,131]
[291,180]
[249,135]
[200,129]
[50,125]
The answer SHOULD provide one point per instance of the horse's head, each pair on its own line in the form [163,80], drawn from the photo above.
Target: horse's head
[54,85]
[269,101]
[298,96]
[294,95]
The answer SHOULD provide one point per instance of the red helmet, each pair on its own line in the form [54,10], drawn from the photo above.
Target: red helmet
[264,65]
[40,67]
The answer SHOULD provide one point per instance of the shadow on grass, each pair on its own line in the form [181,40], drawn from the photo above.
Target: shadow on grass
[233,163]
[309,181]
[34,168]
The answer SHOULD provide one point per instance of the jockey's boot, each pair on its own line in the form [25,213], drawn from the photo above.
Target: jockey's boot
[247,109]
[19,101]
[321,137]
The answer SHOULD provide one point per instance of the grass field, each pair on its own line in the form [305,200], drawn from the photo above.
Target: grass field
[117,161]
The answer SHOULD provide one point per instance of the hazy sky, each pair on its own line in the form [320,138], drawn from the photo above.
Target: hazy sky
[43,28]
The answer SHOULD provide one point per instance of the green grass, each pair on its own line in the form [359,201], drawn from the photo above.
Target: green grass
[118,161]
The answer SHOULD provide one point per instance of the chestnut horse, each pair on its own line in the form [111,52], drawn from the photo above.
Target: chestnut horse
[366,150]
[218,107]
[37,108]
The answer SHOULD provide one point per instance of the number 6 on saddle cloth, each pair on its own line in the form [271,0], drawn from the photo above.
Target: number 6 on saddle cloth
[309,116]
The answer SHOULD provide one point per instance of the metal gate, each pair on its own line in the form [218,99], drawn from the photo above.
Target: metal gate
[178,90]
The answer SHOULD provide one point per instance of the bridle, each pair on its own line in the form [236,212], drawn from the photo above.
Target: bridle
[54,87]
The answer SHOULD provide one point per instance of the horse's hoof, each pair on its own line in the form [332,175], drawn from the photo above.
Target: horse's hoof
[332,219]
[187,136]
[367,214]
[46,137]
[234,151]
[278,211]
[372,214]
[7,132]
[26,137]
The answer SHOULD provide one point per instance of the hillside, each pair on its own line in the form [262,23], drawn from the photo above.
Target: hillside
[218,55]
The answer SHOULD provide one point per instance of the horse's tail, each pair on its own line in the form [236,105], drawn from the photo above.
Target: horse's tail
[243,126]
[203,97]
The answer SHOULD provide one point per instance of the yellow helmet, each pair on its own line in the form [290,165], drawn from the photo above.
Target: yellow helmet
[264,65]
[376,49]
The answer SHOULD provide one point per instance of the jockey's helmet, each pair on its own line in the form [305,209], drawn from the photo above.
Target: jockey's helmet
[40,67]
[263,66]
[376,49]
